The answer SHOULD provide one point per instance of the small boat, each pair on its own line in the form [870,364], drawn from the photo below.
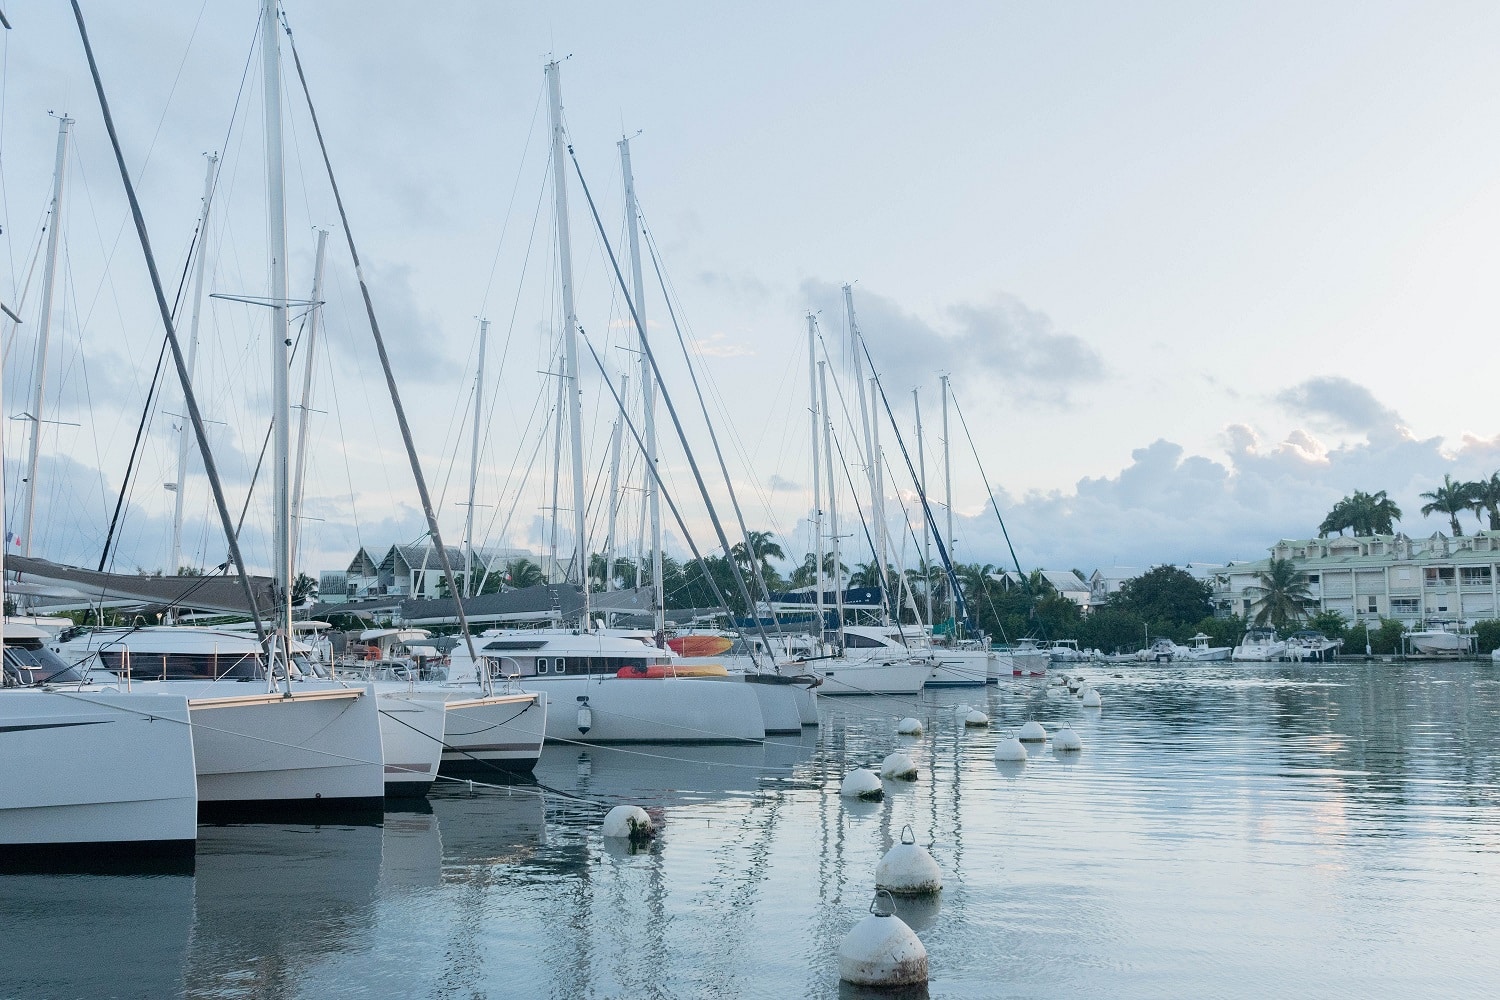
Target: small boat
[1201,652]
[1164,650]
[1440,638]
[1311,646]
[1259,645]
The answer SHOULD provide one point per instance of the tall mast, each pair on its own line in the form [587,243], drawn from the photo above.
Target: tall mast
[44,328]
[812,394]
[484,332]
[877,500]
[309,351]
[570,333]
[833,507]
[614,488]
[916,403]
[557,430]
[948,497]
[185,436]
[864,410]
[281,542]
[648,392]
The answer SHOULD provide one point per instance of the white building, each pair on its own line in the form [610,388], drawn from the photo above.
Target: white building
[404,571]
[1386,576]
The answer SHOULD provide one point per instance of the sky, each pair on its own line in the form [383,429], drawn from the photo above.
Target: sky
[1196,271]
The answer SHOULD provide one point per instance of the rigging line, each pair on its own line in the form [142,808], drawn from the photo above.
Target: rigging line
[752,557]
[869,540]
[385,361]
[166,317]
[672,411]
[510,205]
[987,490]
[526,476]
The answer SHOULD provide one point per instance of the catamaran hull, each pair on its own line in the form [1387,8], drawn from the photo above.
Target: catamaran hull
[498,734]
[93,777]
[314,751]
[779,711]
[962,668]
[411,743]
[846,678]
[650,710]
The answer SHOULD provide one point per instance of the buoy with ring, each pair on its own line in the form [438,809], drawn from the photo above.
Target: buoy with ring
[861,783]
[1091,699]
[1066,740]
[907,869]
[898,767]
[881,950]
[1033,732]
[1010,748]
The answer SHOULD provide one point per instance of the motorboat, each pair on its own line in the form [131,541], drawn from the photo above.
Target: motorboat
[1164,650]
[1065,651]
[1201,652]
[304,745]
[94,777]
[882,659]
[1440,638]
[1023,659]
[1259,645]
[612,688]
[1308,645]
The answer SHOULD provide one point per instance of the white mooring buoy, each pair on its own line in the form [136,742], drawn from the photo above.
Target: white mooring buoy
[1091,699]
[976,719]
[963,710]
[881,950]
[629,823]
[1010,748]
[909,727]
[899,767]
[861,783]
[907,869]
[1033,732]
[1066,740]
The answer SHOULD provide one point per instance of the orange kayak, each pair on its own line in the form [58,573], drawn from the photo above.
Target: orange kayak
[667,670]
[699,645]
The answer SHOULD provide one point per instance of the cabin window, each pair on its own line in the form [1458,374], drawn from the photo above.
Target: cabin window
[861,642]
[562,666]
[541,664]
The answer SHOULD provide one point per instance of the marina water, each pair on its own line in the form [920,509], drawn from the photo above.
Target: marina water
[1321,830]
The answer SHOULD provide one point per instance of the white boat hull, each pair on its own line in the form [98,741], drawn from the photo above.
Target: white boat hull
[1260,653]
[411,744]
[98,773]
[846,677]
[650,710]
[315,750]
[1439,643]
[779,711]
[962,668]
[496,733]
[1215,654]
[1021,663]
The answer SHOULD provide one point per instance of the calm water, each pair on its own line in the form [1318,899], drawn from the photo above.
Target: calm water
[1320,831]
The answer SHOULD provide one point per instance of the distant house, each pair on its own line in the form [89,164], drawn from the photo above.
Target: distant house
[404,571]
[1066,582]
[1104,583]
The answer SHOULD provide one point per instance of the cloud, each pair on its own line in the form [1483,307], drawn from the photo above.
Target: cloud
[1002,340]
[1339,403]
[780,485]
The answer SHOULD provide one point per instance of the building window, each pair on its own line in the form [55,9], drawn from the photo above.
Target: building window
[1312,578]
[1439,576]
[1374,605]
[1405,606]
[1475,576]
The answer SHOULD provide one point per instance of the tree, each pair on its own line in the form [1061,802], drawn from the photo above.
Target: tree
[1486,494]
[519,573]
[304,589]
[806,575]
[1363,514]
[1282,595]
[1165,596]
[1452,499]
[763,548]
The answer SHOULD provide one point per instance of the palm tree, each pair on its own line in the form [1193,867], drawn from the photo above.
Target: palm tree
[1450,498]
[765,548]
[1282,595]
[1487,498]
[522,573]
[806,574]
[1363,513]
[865,574]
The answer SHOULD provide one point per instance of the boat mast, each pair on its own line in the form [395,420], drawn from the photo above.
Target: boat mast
[184,436]
[833,507]
[648,395]
[570,333]
[557,429]
[864,410]
[281,547]
[916,403]
[43,330]
[484,332]
[877,503]
[614,488]
[948,497]
[309,350]
[812,393]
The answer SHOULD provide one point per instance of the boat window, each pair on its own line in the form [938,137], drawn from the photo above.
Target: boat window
[541,664]
[183,666]
[854,641]
[562,666]
[25,666]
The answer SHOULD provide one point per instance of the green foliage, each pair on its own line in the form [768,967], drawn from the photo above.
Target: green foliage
[1112,630]
[1363,514]
[1220,631]
[1387,639]
[1486,498]
[1451,498]
[1166,595]
[1331,623]
[1282,596]
[304,589]
[1488,633]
